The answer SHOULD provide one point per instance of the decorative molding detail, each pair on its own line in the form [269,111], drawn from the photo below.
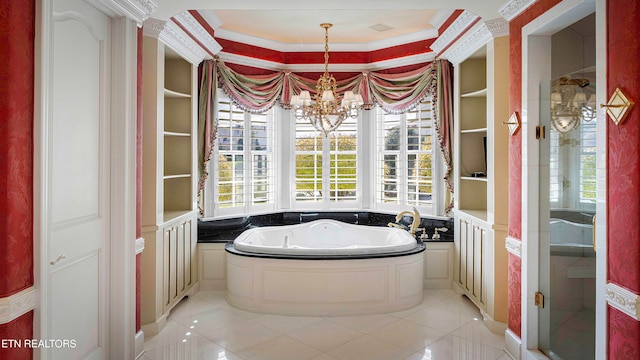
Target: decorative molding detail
[176,39]
[137,10]
[514,246]
[456,28]
[275,66]
[498,27]
[139,245]
[198,32]
[16,305]
[319,47]
[623,300]
[513,8]
[153,27]
[464,47]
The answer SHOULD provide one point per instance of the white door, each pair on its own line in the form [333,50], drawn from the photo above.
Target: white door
[76,209]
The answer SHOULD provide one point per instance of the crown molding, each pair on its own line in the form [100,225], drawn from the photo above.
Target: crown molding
[276,66]
[175,38]
[319,47]
[498,27]
[468,44]
[513,8]
[514,246]
[249,61]
[623,300]
[198,32]
[459,25]
[16,305]
[137,10]
[139,245]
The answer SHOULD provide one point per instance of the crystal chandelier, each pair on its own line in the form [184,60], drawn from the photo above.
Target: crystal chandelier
[324,111]
[569,105]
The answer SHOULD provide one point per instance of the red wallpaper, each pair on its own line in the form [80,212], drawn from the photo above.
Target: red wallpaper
[449,21]
[17,32]
[623,173]
[18,329]
[624,146]
[623,336]
[335,57]
[515,155]
[514,294]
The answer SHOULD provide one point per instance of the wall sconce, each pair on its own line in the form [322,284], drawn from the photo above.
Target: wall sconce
[513,123]
[570,104]
[618,107]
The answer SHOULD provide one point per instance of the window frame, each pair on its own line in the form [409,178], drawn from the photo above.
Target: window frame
[325,203]
[212,204]
[436,206]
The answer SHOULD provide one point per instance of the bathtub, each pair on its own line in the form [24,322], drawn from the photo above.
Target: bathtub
[312,270]
[324,237]
[568,234]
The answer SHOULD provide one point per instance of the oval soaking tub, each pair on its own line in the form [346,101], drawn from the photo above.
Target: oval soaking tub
[324,237]
[324,268]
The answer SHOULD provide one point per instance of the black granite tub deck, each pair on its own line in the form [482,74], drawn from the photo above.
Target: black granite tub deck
[225,230]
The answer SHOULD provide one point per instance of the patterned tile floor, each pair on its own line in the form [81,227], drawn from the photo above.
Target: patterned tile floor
[445,326]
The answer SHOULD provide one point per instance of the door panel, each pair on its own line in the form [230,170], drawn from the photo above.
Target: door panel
[78,180]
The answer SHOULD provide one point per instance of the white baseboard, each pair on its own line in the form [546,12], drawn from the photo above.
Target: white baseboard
[139,344]
[155,327]
[512,344]
[495,327]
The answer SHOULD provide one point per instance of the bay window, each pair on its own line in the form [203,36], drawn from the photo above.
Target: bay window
[407,160]
[243,161]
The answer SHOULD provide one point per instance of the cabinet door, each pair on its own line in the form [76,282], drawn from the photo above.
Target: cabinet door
[479,266]
[180,254]
[461,260]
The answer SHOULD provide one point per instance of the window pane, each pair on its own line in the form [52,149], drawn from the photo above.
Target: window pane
[308,181]
[234,161]
[587,161]
[343,156]
[405,159]
[419,154]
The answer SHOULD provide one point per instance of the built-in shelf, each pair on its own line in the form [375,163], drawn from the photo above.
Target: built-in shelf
[474,131]
[477,214]
[472,178]
[475,93]
[178,134]
[174,214]
[174,94]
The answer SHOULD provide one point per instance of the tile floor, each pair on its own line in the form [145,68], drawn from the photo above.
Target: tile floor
[445,326]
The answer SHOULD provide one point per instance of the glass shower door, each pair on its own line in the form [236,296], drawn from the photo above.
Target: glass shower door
[567,208]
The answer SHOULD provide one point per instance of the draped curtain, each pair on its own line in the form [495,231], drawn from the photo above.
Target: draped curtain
[395,93]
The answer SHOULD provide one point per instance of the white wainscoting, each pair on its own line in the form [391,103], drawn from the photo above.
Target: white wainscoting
[438,265]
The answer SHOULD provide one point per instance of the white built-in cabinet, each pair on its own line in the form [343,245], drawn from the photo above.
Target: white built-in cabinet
[169,212]
[481,168]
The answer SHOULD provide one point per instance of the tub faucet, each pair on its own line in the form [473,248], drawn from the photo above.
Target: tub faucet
[436,236]
[416,219]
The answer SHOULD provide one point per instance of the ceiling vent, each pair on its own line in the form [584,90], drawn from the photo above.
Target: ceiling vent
[380,27]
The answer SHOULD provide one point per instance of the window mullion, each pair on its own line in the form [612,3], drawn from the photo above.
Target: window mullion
[326,170]
[248,163]
[403,161]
